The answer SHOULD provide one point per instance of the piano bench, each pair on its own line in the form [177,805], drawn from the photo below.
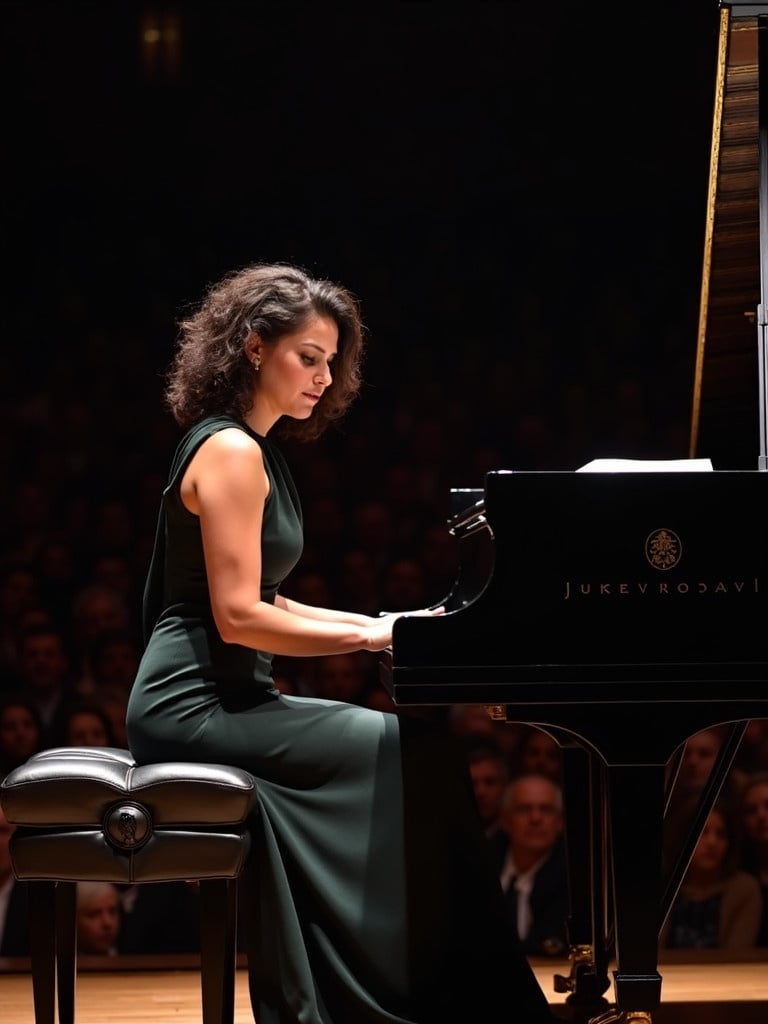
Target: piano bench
[93,814]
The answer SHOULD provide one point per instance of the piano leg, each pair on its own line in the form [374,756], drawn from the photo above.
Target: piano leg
[636,799]
[587,922]
[628,807]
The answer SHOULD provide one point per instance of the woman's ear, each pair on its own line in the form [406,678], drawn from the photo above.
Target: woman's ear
[253,347]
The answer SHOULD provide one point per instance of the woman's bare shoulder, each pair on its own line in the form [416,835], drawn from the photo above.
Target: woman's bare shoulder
[232,442]
[228,461]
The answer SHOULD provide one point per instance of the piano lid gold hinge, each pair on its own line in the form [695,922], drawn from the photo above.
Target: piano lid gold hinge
[498,712]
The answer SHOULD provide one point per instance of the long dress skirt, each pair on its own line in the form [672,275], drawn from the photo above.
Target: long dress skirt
[370,894]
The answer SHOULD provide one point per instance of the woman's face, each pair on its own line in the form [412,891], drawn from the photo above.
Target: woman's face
[699,758]
[541,756]
[86,730]
[296,370]
[754,812]
[712,846]
[19,733]
[98,922]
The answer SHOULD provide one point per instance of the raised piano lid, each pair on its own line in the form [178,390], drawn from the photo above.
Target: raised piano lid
[729,395]
[603,586]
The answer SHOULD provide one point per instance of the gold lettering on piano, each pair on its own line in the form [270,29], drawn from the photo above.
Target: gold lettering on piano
[663,550]
[575,589]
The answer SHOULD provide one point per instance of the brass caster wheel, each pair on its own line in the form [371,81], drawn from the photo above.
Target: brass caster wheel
[615,1016]
[612,1016]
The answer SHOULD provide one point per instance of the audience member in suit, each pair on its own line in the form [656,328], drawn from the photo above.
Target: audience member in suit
[489,771]
[534,871]
[45,674]
[14,926]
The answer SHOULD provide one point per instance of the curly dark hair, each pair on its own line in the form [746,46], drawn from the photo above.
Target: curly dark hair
[210,373]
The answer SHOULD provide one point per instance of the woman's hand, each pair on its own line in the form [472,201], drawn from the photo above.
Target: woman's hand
[380,634]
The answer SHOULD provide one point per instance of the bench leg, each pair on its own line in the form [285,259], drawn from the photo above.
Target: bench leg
[52,950]
[218,949]
[66,949]
[42,948]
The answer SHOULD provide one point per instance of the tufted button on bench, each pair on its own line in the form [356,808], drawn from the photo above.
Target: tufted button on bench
[93,814]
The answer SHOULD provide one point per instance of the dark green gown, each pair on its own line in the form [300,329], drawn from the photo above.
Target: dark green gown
[369,895]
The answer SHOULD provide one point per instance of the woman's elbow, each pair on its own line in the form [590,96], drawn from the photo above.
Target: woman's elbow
[233,622]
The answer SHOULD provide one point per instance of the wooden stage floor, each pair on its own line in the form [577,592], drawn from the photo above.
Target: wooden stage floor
[711,992]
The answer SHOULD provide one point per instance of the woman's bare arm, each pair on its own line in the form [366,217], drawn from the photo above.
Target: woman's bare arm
[226,485]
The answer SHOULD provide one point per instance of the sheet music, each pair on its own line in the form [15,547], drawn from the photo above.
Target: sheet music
[646,466]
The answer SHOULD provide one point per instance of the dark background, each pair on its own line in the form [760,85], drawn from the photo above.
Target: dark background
[516,191]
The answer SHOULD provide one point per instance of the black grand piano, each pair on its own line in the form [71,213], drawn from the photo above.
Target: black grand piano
[613,609]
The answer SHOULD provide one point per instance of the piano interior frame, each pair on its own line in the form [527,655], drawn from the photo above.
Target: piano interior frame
[728,409]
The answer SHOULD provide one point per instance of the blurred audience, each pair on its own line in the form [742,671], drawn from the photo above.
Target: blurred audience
[537,753]
[344,677]
[45,674]
[357,582]
[21,730]
[14,925]
[162,917]
[19,594]
[113,702]
[752,755]
[472,724]
[718,905]
[83,724]
[114,660]
[97,611]
[404,586]
[689,771]
[489,772]
[753,808]
[98,918]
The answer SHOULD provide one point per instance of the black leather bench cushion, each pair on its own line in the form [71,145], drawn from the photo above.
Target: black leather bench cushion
[76,785]
[90,813]
[165,857]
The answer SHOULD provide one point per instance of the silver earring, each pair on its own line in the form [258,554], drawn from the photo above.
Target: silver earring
[256,363]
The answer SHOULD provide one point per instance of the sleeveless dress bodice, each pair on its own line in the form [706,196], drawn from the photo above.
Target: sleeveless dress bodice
[176,599]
